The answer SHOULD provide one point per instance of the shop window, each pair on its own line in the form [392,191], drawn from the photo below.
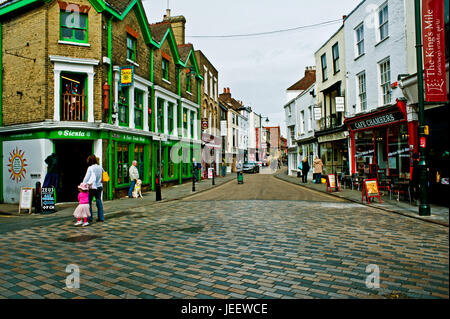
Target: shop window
[74,27]
[170,117]
[123,105]
[398,157]
[138,108]
[185,122]
[192,124]
[165,69]
[364,151]
[139,156]
[73,97]
[385,80]
[122,163]
[160,115]
[131,48]
[186,169]
[381,149]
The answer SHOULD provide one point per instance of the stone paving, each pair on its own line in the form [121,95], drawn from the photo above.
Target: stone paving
[230,249]
[439,215]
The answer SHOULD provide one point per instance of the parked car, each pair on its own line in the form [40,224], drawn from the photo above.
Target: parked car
[251,167]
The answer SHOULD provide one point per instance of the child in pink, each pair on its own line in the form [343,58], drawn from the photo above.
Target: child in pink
[82,210]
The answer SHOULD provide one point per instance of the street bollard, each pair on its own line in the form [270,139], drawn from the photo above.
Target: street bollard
[214,173]
[193,181]
[38,203]
[158,190]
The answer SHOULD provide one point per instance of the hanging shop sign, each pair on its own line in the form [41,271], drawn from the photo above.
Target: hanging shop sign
[377,120]
[317,113]
[340,105]
[370,189]
[126,75]
[130,138]
[433,35]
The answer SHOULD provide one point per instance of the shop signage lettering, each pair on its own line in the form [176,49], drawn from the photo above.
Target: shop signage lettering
[375,121]
[332,137]
[68,133]
[403,150]
[434,50]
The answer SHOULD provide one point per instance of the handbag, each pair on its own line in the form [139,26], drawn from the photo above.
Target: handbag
[105,177]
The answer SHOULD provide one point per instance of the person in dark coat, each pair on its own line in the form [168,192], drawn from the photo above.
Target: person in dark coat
[305,170]
[52,176]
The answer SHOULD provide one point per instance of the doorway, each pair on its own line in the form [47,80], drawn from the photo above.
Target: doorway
[72,156]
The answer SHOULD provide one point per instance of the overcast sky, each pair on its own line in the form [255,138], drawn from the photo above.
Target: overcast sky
[257,69]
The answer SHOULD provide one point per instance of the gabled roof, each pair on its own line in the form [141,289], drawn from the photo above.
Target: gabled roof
[305,82]
[185,50]
[159,31]
[119,5]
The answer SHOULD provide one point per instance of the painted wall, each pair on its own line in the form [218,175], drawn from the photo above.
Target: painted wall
[393,47]
[23,166]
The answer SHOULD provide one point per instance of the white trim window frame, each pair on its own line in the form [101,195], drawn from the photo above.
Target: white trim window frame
[75,65]
[385,81]
[383,22]
[362,90]
[359,40]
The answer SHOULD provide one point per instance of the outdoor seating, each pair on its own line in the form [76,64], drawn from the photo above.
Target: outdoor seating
[400,186]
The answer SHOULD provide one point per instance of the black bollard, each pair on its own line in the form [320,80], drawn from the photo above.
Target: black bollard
[158,190]
[37,203]
[193,182]
[214,173]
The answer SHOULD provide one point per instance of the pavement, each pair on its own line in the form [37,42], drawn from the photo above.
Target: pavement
[316,246]
[439,214]
[10,218]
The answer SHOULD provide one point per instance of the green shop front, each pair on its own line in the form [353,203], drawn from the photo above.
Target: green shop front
[24,154]
[174,157]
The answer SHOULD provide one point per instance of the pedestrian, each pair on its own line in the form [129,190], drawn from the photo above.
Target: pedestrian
[52,176]
[82,210]
[317,170]
[305,170]
[93,179]
[134,176]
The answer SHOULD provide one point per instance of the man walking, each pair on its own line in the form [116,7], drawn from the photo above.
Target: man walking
[134,176]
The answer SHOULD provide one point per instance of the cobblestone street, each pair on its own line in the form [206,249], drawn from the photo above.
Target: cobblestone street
[197,248]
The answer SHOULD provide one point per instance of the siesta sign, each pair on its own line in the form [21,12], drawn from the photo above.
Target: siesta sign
[434,50]
[378,120]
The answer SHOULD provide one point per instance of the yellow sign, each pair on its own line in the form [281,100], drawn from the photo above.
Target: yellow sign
[372,187]
[126,76]
[426,130]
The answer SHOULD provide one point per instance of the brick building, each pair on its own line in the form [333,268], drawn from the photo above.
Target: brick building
[93,77]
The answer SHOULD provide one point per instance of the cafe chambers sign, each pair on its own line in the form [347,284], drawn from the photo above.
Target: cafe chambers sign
[377,120]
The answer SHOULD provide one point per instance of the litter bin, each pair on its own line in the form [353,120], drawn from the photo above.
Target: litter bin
[240,178]
[224,170]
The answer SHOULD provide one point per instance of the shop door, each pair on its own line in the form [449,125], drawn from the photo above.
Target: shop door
[73,156]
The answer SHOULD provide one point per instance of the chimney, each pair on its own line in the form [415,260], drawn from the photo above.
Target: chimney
[178,24]
[226,95]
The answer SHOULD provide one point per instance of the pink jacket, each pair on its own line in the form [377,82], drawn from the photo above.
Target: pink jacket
[83,197]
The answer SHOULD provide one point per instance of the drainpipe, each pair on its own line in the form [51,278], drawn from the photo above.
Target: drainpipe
[152,119]
[1,75]
[110,166]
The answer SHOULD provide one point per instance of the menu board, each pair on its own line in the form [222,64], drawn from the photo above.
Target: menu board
[370,189]
[48,200]
[331,183]
[26,199]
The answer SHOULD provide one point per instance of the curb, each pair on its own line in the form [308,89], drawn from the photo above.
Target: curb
[437,222]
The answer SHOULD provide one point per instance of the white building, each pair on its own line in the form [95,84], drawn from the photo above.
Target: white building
[376,116]
[301,127]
